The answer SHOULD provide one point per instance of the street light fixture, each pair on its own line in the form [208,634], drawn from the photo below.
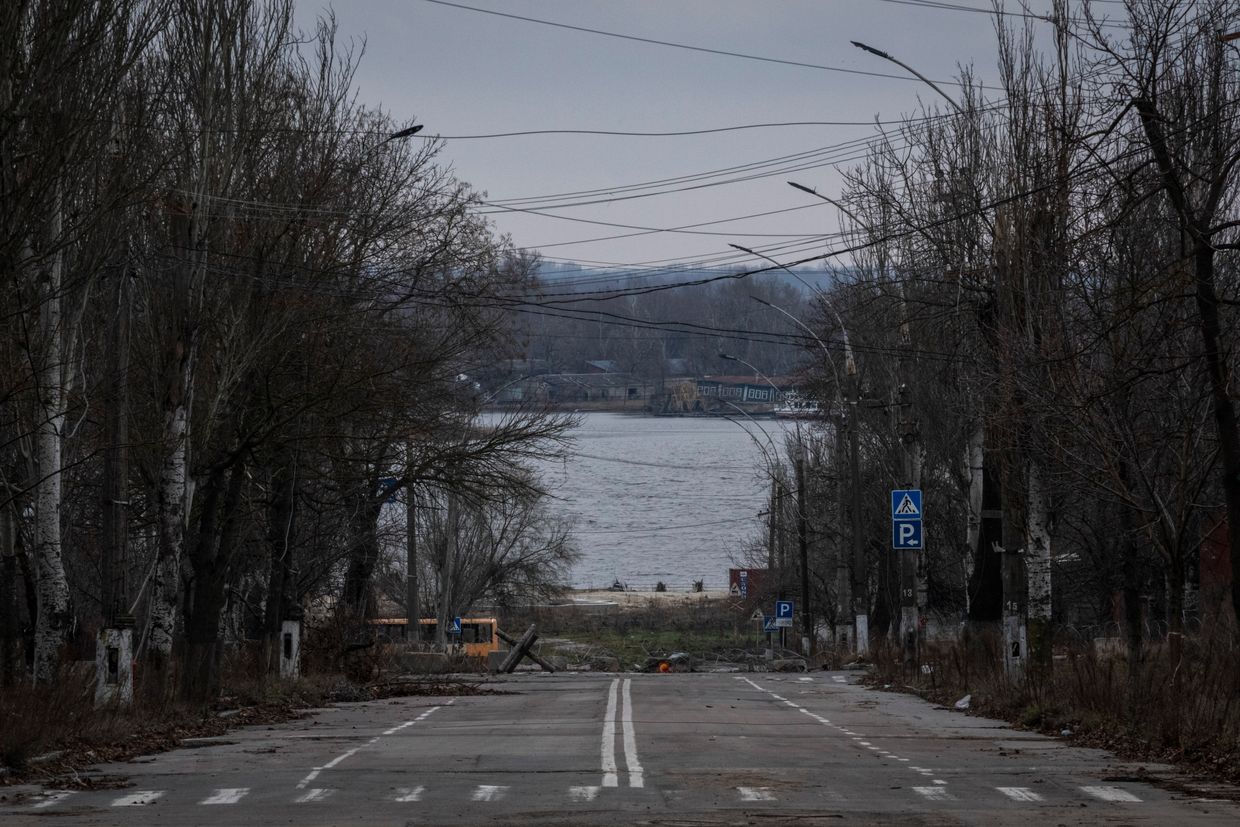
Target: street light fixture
[910,70]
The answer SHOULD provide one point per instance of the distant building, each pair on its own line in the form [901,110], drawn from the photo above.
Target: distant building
[602,366]
[744,389]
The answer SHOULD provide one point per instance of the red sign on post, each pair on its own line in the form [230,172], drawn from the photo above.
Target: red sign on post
[746,583]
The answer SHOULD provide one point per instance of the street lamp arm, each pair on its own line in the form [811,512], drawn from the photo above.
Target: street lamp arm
[765,378]
[910,70]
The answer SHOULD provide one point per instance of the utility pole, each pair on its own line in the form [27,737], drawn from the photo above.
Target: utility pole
[843,587]
[8,595]
[114,647]
[1013,574]
[909,558]
[861,612]
[412,610]
[912,594]
[771,526]
[807,620]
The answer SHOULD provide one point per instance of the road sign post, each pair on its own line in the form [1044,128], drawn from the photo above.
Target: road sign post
[907,540]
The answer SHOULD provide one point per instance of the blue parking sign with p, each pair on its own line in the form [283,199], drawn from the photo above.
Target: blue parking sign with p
[906,534]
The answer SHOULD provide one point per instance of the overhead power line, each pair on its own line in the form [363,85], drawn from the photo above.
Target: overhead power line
[674,45]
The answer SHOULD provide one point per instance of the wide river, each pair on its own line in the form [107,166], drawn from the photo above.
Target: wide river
[662,498]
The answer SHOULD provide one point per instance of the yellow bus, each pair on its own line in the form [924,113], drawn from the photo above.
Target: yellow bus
[478,638]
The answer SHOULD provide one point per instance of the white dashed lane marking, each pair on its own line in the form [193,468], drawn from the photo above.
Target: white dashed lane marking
[489,792]
[314,773]
[227,795]
[756,793]
[138,799]
[50,798]
[1020,793]
[583,793]
[934,793]
[1111,794]
[405,794]
[310,796]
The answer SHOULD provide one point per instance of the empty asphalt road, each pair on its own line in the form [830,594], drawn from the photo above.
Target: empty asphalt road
[680,749]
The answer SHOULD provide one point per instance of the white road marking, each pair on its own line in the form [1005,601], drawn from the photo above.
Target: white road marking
[138,799]
[630,738]
[806,680]
[839,679]
[609,737]
[1019,793]
[404,794]
[51,798]
[489,792]
[934,793]
[314,773]
[1112,794]
[756,793]
[316,794]
[863,743]
[582,793]
[227,795]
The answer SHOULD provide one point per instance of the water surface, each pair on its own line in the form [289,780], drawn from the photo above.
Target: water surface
[662,498]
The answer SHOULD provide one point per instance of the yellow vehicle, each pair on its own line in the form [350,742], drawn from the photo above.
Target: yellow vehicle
[478,638]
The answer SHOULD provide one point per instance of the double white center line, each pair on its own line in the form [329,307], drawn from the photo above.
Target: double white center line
[610,776]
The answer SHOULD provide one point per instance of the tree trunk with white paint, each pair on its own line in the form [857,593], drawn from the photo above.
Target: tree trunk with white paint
[173,508]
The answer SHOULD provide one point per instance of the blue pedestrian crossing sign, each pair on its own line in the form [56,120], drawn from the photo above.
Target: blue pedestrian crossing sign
[769,624]
[455,628]
[906,517]
[906,504]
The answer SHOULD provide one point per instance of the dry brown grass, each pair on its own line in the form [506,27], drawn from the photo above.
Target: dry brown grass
[1185,712]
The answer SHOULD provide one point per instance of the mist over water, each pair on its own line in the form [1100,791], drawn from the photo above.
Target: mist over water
[662,498]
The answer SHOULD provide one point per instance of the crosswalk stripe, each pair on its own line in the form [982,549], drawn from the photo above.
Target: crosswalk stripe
[53,797]
[582,793]
[1112,794]
[138,799]
[404,794]
[316,794]
[756,793]
[934,793]
[1019,793]
[489,792]
[227,795]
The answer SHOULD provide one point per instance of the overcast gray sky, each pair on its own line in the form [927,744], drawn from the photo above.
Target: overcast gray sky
[462,72]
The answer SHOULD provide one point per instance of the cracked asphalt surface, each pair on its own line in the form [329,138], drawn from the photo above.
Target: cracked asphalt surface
[589,748]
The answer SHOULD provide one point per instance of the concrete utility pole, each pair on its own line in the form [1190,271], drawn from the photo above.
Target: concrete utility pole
[909,558]
[861,609]
[843,587]
[771,526]
[1013,574]
[807,615]
[114,647]
[8,596]
[412,609]
[912,593]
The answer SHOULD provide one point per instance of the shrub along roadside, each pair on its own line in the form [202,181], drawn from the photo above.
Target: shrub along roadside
[1185,713]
